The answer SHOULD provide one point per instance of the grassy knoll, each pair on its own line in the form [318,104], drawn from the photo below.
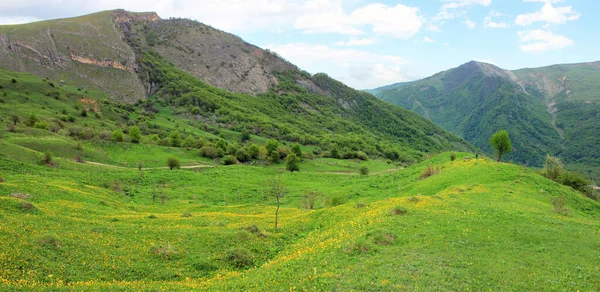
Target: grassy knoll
[475,225]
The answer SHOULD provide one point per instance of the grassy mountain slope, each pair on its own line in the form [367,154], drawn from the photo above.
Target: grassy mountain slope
[474,101]
[474,217]
[551,110]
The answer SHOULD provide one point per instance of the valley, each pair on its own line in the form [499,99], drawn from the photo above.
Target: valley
[147,154]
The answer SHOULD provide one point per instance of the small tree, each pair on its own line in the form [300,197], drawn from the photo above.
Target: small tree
[189,142]
[117,135]
[15,119]
[291,163]
[271,146]
[364,170]
[335,152]
[553,168]
[135,134]
[175,139]
[254,151]
[501,143]
[172,162]
[275,188]
[242,155]
[297,150]
[245,136]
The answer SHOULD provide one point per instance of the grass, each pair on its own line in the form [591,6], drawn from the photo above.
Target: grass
[474,217]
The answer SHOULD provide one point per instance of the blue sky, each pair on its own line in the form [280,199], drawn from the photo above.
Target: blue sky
[368,44]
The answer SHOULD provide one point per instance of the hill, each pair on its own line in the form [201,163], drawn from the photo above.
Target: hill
[212,229]
[550,110]
[292,106]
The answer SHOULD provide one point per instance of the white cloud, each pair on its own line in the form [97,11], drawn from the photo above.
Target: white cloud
[428,40]
[489,23]
[455,8]
[433,27]
[357,42]
[549,14]
[359,69]
[398,21]
[537,41]
[544,1]
[470,24]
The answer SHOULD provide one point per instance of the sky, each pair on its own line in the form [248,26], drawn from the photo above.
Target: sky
[367,44]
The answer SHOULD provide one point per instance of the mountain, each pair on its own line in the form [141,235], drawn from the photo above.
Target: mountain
[551,110]
[183,70]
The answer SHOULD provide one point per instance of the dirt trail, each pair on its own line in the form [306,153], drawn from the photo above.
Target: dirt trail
[552,110]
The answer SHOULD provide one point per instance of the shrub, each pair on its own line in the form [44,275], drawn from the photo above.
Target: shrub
[272,146]
[175,139]
[189,142]
[229,160]
[27,207]
[399,211]
[363,170]
[42,124]
[360,205]
[239,258]
[429,171]
[83,112]
[104,135]
[310,200]
[553,168]
[283,152]
[231,149]
[413,199]
[245,136]
[47,159]
[13,80]
[117,135]
[78,158]
[335,152]
[292,163]
[165,251]
[452,156]
[274,157]
[173,162]
[254,151]
[579,183]
[140,165]
[559,205]
[297,151]
[242,155]
[336,201]
[208,151]
[135,134]
[186,215]
[49,241]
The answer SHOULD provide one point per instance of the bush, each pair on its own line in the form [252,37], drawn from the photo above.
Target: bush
[208,151]
[229,160]
[239,258]
[579,183]
[272,146]
[231,149]
[245,136]
[117,135]
[363,170]
[104,135]
[135,134]
[274,157]
[78,158]
[429,171]
[292,163]
[173,162]
[283,152]
[553,168]
[47,159]
[559,205]
[452,156]
[336,201]
[42,124]
[242,155]
[189,142]
[28,207]
[175,139]
[399,211]
[254,151]
[297,151]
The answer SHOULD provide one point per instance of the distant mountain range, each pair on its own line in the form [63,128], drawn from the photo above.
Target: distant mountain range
[551,110]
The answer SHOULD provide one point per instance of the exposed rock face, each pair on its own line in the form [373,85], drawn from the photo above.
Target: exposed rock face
[99,51]
[74,50]
[220,59]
